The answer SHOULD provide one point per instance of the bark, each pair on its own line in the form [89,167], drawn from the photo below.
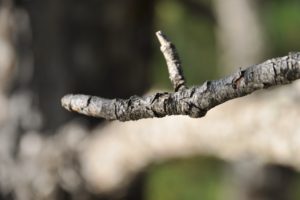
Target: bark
[195,101]
[241,41]
[173,62]
[262,129]
[71,161]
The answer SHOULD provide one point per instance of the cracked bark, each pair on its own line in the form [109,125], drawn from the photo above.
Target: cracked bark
[194,101]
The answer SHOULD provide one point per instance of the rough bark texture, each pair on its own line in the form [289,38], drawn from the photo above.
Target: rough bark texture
[68,162]
[195,101]
[173,62]
[262,128]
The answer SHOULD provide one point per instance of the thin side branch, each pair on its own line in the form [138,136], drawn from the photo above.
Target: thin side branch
[173,62]
[195,101]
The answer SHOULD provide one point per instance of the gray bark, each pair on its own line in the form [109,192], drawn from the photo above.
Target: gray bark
[194,101]
[173,62]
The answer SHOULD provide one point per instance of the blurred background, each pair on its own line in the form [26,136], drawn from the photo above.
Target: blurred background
[49,48]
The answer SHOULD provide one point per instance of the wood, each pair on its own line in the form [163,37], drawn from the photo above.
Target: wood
[194,101]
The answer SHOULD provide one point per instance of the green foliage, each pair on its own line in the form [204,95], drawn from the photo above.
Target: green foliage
[282,19]
[195,178]
[195,41]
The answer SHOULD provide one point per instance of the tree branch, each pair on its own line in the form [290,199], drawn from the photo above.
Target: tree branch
[173,62]
[194,101]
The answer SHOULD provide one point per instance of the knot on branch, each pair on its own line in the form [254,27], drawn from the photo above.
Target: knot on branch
[195,101]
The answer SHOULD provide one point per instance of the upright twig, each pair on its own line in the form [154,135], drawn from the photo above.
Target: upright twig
[173,62]
[195,101]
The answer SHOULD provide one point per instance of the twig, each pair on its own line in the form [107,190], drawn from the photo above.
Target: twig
[195,101]
[173,62]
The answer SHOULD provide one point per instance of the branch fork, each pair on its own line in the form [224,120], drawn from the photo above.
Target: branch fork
[194,101]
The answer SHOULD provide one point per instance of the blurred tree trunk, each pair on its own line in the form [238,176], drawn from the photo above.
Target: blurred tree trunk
[239,33]
[96,47]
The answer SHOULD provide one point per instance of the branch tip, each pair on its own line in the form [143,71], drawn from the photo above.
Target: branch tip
[173,61]
[162,38]
[66,101]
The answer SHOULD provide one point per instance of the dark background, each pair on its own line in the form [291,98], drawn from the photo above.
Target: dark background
[109,49]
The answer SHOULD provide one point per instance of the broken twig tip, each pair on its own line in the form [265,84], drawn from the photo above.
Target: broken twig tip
[66,101]
[158,33]
[173,61]
[161,38]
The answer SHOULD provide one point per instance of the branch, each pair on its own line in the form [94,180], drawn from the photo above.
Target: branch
[194,101]
[253,128]
[173,61]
